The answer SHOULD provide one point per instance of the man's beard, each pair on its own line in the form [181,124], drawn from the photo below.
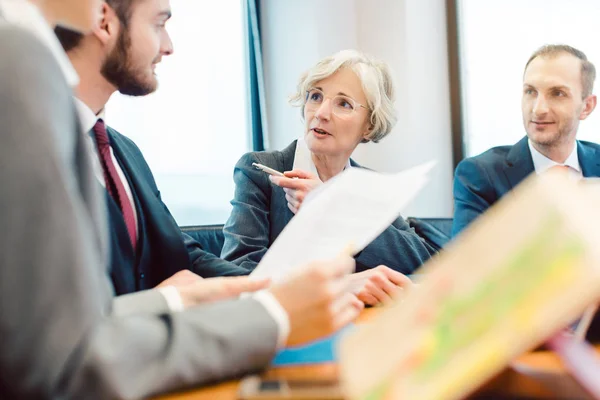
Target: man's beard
[119,70]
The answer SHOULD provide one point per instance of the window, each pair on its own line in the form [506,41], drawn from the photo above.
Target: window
[194,128]
[496,40]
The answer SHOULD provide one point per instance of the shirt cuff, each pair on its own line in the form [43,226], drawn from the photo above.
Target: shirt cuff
[278,313]
[172,297]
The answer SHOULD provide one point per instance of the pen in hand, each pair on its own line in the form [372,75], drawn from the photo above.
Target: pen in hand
[266,169]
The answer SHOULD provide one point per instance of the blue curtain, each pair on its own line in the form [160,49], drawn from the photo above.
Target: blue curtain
[258,125]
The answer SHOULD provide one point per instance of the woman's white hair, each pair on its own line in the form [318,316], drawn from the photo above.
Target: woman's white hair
[376,80]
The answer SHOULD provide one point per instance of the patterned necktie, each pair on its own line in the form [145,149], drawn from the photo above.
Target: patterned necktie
[114,185]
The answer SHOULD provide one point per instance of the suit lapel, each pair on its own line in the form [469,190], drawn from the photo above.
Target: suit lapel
[150,209]
[287,156]
[286,160]
[136,187]
[354,164]
[589,159]
[279,212]
[519,163]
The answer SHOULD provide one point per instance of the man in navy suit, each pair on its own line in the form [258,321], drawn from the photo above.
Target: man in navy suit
[557,94]
[147,246]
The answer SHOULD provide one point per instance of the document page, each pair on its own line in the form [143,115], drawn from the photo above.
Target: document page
[350,210]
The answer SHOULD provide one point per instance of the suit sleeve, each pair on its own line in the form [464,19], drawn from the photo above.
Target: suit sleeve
[247,229]
[141,302]
[472,193]
[208,265]
[60,338]
[398,247]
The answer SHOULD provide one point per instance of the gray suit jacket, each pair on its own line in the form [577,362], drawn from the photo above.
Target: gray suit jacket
[61,335]
[260,213]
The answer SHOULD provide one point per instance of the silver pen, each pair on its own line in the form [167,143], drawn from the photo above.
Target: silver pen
[266,169]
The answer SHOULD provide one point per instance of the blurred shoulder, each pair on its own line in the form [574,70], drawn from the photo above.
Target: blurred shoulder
[22,52]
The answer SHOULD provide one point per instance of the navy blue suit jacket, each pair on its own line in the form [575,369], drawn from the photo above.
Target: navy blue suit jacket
[162,248]
[260,213]
[482,180]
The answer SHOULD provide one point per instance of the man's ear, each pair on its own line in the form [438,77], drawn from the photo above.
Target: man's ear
[589,104]
[108,27]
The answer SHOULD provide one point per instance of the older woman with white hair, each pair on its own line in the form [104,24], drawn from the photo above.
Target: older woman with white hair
[345,99]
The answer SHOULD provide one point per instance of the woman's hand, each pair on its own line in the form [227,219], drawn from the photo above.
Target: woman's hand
[296,184]
[379,285]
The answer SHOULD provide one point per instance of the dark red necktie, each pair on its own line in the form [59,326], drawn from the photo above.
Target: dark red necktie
[114,185]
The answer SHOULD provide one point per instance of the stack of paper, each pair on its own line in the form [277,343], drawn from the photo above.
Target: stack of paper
[522,271]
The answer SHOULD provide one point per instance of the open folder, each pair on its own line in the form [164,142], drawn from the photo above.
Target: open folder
[524,270]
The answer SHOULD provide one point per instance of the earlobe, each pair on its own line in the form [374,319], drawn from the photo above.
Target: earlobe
[368,133]
[366,136]
[590,105]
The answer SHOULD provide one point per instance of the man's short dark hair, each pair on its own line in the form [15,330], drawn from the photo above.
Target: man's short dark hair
[68,38]
[588,71]
[71,39]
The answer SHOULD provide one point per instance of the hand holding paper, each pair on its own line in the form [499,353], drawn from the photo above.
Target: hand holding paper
[316,300]
[353,207]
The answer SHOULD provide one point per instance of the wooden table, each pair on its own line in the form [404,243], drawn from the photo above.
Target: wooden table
[538,375]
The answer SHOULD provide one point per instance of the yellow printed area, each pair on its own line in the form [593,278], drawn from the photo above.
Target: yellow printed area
[483,362]
[465,317]
[492,351]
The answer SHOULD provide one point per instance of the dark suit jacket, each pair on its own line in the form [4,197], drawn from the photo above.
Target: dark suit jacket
[162,248]
[482,180]
[260,213]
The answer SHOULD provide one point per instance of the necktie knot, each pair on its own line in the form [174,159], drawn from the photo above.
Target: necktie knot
[101,135]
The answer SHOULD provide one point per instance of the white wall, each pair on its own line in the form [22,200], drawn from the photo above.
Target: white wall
[408,34]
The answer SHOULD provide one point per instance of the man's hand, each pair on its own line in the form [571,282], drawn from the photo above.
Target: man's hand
[183,277]
[221,288]
[317,301]
[378,285]
[296,184]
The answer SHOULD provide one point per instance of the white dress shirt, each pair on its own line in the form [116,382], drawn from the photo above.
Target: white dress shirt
[303,159]
[541,163]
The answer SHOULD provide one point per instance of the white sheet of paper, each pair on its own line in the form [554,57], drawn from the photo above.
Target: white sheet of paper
[351,209]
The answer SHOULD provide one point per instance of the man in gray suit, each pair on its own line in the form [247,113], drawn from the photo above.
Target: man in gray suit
[64,335]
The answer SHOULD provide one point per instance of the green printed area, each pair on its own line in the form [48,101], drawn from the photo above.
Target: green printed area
[464,317]
[379,392]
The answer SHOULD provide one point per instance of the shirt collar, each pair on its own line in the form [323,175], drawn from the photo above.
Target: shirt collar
[541,163]
[27,16]
[303,159]
[86,115]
